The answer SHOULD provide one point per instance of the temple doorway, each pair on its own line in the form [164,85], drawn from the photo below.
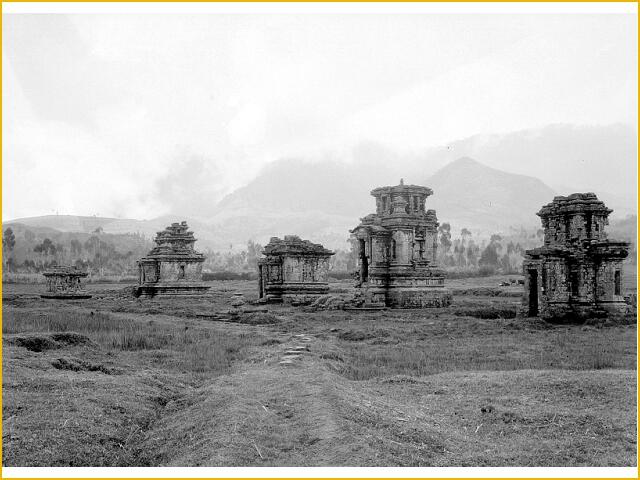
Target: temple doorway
[533,293]
[364,264]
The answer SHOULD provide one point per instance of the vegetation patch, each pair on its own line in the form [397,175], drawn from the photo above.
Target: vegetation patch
[257,318]
[71,338]
[487,311]
[77,365]
[35,343]
[360,335]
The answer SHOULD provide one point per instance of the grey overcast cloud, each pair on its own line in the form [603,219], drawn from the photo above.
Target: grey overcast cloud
[103,112]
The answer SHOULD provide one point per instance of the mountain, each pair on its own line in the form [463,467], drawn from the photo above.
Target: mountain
[474,182]
[472,195]
[479,193]
[323,200]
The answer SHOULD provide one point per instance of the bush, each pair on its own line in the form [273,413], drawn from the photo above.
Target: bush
[227,275]
[341,275]
[486,271]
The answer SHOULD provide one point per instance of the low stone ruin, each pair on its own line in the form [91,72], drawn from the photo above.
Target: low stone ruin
[173,267]
[293,271]
[65,282]
[397,248]
[577,273]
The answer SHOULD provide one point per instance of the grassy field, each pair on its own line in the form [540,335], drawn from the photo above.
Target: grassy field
[118,381]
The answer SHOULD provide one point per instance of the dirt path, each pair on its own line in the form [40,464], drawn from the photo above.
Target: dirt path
[271,413]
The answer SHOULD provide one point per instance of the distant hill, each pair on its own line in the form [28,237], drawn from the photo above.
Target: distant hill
[113,226]
[474,187]
[115,253]
[65,223]
[324,200]
[470,194]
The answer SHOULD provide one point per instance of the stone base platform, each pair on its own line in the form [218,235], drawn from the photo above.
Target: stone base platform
[171,290]
[418,298]
[408,297]
[66,296]
[572,312]
[295,293]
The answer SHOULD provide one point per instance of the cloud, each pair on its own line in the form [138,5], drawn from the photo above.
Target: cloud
[109,113]
[189,185]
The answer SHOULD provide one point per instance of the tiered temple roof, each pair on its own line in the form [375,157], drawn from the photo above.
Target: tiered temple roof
[294,245]
[175,240]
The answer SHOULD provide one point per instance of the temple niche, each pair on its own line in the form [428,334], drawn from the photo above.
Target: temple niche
[397,249]
[577,273]
[65,282]
[173,267]
[293,270]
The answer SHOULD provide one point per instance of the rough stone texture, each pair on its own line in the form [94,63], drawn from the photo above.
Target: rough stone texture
[173,267]
[293,270]
[65,282]
[397,251]
[577,273]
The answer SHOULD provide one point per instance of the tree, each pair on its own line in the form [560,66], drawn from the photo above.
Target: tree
[459,253]
[8,242]
[75,247]
[29,236]
[489,256]
[445,242]
[473,251]
[45,249]
[254,250]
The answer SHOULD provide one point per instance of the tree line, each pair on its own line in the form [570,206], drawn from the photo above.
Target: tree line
[109,254]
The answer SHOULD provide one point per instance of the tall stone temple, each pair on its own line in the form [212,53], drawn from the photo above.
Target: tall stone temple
[172,267]
[577,273]
[397,249]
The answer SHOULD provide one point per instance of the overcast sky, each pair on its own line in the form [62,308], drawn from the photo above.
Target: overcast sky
[108,114]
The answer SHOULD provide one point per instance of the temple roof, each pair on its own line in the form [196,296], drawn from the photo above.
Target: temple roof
[402,189]
[175,240]
[64,271]
[573,204]
[294,245]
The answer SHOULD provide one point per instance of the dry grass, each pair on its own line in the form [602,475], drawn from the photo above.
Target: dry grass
[466,386]
[195,350]
[506,352]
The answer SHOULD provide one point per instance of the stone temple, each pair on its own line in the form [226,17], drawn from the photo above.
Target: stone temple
[65,282]
[293,270]
[173,267]
[577,273]
[397,249]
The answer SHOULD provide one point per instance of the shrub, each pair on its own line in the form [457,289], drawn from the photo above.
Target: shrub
[341,275]
[227,275]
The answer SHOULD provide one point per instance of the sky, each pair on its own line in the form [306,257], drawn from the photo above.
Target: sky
[137,116]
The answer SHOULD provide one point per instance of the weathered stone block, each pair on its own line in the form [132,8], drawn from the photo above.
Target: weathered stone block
[293,270]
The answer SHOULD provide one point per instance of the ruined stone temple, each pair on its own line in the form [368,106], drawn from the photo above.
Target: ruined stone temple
[577,273]
[172,267]
[293,270]
[65,282]
[397,248]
